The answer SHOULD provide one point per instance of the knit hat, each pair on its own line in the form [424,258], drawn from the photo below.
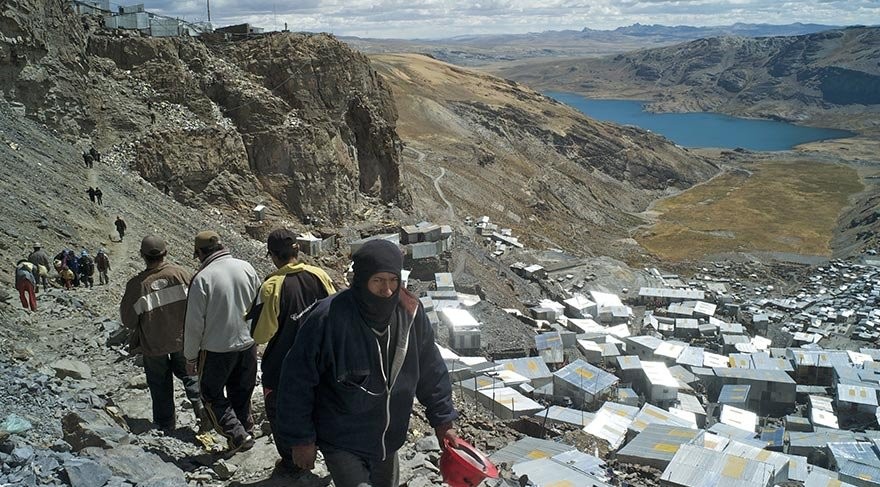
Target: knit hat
[84,253]
[152,246]
[373,257]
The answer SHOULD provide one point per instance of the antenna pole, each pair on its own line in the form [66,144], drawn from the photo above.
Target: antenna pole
[209,9]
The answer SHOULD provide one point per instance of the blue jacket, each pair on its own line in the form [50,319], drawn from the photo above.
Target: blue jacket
[333,389]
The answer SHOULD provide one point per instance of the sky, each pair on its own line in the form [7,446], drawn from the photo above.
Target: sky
[432,19]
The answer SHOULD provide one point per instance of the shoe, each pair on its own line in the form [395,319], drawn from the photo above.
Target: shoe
[244,444]
[167,427]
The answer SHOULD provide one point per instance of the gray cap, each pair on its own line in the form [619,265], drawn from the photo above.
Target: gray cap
[152,246]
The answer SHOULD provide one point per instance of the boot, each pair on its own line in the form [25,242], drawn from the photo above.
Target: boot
[202,418]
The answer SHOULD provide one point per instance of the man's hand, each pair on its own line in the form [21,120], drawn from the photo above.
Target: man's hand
[304,456]
[445,434]
[192,367]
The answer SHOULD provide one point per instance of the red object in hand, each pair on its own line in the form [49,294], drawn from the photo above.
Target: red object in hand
[462,465]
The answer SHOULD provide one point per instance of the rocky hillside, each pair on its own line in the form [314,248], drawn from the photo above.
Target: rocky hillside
[494,147]
[828,78]
[297,119]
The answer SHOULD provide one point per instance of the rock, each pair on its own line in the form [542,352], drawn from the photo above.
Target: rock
[82,472]
[71,368]
[60,446]
[138,382]
[428,443]
[118,337]
[92,427]
[138,466]
[21,454]
[224,469]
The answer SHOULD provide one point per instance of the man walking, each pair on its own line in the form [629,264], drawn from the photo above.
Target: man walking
[217,341]
[86,269]
[102,262]
[120,227]
[99,195]
[153,307]
[284,295]
[91,192]
[24,284]
[359,359]
[40,259]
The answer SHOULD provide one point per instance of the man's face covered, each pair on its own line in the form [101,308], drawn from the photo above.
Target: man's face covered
[376,282]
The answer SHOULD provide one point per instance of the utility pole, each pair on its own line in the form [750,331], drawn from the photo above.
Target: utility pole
[209,10]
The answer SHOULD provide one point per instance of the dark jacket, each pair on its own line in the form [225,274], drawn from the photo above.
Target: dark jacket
[40,258]
[284,295]
[333,389]
[153,307]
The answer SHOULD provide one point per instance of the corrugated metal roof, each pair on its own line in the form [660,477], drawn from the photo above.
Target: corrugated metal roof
[692,356]
[548,472]
[735,433]
[658,374]
[857,394]
[690,403]
[560,414]
[777,460]
[859,473]
[582,462]
[822,479]
[797,468]
[480,382]
[669,350]
[715,361]
[629,362]
[458,318]
[818,438]
[611,422]
[739,418]
[741,360]
[647,341]
[506,399]
[862,451]
[527,449]
[531,367]
[734,394]
[774,436]
[682,374]
[658,292]
[586,377]
[752,374]
[693,466]
[656,445]
[650,414]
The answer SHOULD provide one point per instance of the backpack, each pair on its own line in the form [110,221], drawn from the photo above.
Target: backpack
[86,265]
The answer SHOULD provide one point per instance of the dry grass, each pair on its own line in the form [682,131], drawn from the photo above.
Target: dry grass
[789,206]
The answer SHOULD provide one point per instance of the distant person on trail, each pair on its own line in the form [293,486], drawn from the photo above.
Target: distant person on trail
[284,295]
[86,269]
[96,156]
[217,341]
[24,283]
[73,265]
[99,195]
[153,307]
[40,259]
[360,358]
[120,227]
[88,160]
[66,276]
[91,192]
[102,262]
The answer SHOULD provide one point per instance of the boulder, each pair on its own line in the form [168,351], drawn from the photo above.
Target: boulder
[82,472]
[71,368]
[138,466]
[92,427]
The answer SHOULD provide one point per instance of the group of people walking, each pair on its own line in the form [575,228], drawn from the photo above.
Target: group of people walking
[71,270]
[340,370]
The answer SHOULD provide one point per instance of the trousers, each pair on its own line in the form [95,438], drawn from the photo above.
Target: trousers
[160,371]
[226,382]
[27,295]
[350,470]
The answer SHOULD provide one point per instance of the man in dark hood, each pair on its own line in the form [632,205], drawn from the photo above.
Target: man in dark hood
[360,358]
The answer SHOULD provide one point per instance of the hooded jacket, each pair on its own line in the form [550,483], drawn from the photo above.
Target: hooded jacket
[334,386]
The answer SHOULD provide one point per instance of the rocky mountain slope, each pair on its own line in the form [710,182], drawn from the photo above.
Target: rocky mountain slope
[829,78]
[298,120]
[488,49]
[492,147]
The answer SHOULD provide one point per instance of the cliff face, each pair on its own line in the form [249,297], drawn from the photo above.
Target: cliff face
[826,78]
[301,117]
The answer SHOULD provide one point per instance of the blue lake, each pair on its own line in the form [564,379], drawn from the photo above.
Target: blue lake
[701,129]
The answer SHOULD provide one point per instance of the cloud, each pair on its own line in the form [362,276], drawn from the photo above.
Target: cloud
[444,18]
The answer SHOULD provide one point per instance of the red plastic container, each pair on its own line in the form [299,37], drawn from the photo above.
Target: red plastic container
[462,465]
